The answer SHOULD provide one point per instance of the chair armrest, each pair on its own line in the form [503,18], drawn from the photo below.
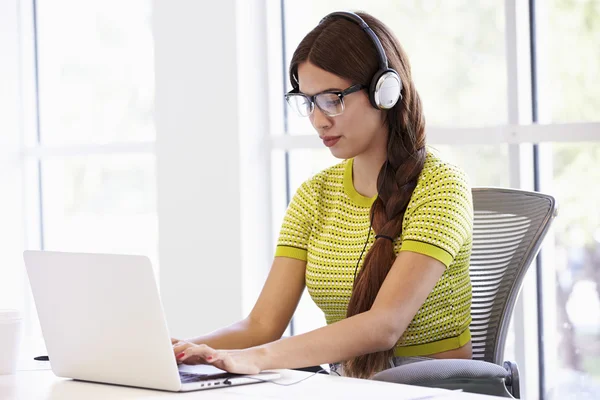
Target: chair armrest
[470,375]
[513,382]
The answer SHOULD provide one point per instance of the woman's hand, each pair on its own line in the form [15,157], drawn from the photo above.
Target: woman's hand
[179,346]
[234,361]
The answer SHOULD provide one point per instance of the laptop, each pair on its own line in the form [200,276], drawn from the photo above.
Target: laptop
[102,321]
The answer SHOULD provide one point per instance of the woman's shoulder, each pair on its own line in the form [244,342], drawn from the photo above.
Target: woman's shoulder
[441,184]
[436,168]
[330,176]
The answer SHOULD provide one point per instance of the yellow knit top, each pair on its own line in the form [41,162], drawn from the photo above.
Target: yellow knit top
[326,225]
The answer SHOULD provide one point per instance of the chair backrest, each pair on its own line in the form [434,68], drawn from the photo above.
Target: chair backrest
[509,227]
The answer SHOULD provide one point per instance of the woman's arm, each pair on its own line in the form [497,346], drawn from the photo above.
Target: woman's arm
[406,287]
[282,291]
[271,314]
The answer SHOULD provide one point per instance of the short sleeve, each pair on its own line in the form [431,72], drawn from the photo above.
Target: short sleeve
[439,217]
[297,224]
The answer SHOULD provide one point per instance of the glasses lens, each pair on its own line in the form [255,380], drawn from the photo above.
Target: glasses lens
[301,104]
[330,104]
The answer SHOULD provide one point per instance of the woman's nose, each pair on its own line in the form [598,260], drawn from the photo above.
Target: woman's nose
[319,119]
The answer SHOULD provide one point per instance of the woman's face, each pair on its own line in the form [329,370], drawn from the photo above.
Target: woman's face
[359,129]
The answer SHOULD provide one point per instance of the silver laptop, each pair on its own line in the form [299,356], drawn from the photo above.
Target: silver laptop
[102,321]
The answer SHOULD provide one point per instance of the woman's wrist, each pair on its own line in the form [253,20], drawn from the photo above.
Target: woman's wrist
[260,355]
[191,340]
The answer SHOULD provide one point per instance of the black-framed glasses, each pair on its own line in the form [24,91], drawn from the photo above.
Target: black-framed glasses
[331,102]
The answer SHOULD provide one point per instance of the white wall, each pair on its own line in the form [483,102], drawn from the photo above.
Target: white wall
[209,190]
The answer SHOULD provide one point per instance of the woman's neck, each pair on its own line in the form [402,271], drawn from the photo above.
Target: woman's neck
[365,171]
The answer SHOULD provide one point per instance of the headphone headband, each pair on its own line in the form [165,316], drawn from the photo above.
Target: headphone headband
[386,86]
[383,62]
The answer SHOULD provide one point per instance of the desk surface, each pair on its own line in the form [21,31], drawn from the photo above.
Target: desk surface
[38,382]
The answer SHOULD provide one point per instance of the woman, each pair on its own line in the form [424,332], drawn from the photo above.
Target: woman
[391,200]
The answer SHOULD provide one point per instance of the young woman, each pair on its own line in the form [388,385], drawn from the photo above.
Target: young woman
[382,240]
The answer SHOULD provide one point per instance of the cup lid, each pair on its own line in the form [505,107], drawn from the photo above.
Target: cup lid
[9,314]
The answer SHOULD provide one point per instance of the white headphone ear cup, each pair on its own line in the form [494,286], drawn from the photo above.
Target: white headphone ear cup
[386,89]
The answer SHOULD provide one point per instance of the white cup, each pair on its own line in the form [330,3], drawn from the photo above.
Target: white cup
[10,334]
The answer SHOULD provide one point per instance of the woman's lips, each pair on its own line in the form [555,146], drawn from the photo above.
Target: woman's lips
[330,141]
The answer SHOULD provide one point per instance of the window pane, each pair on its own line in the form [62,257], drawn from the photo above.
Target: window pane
[101,204]
[572,269]
[569,60]
[456,50]
[485,165]
[96,71]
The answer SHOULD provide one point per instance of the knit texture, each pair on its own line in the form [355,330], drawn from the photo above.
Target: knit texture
[326,225]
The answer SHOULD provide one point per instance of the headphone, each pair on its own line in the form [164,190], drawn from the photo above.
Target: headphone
[384,92]
[386,86]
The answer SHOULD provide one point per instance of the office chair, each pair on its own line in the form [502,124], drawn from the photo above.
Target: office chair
[509,228]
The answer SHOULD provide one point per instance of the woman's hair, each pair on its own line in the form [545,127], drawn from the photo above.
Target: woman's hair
[341,47]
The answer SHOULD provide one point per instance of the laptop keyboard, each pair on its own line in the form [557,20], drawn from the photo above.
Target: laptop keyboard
[188,378]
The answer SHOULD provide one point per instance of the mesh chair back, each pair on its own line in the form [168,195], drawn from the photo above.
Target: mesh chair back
[509,227]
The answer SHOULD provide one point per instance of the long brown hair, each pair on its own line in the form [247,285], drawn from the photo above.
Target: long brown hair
[339,46]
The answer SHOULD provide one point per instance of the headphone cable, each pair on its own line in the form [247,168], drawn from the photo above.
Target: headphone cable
[370,224]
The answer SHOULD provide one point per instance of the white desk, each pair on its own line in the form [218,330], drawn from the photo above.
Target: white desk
[44,385]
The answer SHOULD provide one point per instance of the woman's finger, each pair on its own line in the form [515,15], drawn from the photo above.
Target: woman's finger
[180,347]
[202,351]
[192,360]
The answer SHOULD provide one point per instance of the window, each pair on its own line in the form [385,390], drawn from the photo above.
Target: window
[95,72]
[457,64]
[569,90]
[569,93]
[89,165]
[572,269]
[100,204]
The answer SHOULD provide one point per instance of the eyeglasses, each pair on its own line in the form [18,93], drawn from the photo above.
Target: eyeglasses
[331,102]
